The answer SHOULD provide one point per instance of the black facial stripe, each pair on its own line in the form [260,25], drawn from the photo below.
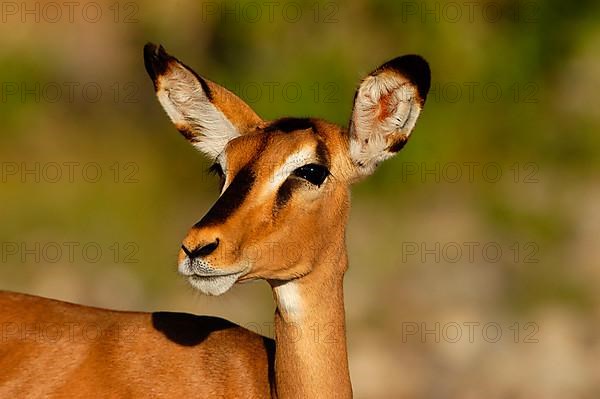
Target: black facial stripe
[231,199]
[288,125]
[284,193]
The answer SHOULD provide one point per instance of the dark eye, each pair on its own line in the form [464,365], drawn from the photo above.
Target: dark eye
[216,169]
[316,174]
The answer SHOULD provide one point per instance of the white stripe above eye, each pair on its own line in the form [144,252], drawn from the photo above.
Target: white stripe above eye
[278,174]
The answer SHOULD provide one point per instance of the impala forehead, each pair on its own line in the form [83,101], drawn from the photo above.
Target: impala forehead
[273,155]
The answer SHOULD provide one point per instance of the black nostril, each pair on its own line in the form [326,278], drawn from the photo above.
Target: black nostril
[201,251]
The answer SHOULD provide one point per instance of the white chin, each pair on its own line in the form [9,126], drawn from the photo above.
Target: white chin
[213,285]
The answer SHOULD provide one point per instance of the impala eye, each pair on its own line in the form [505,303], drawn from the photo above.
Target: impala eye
[217,170]
[314,173]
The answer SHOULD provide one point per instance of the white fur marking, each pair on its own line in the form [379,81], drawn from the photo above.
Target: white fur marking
[207,279]
[289,300]
[294,161]
[184,100]
[371,135]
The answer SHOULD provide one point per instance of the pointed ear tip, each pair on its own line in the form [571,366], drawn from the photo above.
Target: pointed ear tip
[149,46]
[152,50]
[414,68]
[156,60]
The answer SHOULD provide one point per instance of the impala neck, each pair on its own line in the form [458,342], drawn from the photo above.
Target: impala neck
[311,359]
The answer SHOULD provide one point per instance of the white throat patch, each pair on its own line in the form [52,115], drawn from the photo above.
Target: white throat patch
[289,300]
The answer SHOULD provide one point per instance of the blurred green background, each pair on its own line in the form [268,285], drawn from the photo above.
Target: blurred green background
[474,262]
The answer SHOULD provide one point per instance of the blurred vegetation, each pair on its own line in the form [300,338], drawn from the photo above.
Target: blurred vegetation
[517,91]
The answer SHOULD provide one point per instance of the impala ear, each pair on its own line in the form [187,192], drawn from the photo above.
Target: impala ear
[386,107]
[206,114]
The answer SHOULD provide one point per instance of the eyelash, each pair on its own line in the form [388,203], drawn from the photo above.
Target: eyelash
[216,170]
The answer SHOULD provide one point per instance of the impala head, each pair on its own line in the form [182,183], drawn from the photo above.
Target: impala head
[285,183]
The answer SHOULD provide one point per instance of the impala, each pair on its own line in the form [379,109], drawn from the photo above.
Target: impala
[281,217]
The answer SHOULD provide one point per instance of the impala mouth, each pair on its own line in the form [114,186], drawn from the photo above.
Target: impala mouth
[209,275]
[214,284]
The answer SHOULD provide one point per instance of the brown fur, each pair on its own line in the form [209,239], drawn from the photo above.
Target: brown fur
[236,110]
[295,240]
[264,153]
[53,349]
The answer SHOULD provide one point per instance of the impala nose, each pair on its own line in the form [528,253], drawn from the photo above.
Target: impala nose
[201,250]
